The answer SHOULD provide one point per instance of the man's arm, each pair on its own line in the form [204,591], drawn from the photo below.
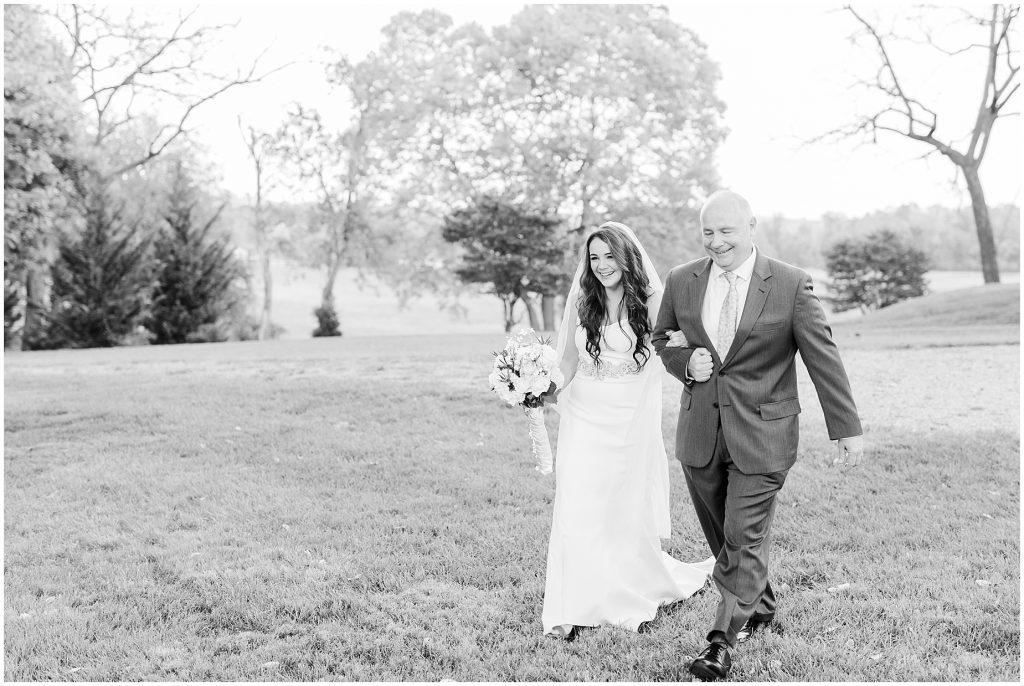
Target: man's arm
[674,358]
[821,357]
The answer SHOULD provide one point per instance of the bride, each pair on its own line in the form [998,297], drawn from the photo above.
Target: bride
[605,564]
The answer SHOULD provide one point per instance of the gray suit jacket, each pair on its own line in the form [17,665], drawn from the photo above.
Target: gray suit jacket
[753,390]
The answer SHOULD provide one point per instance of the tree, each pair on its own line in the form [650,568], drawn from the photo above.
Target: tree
[43,131]
[122,60]
[194,271]
[423,157]
[903,113]
[875,272]
[11,313]
[333,164]
[139,85]
[101,281]
[615,116]
[424,82]
[584,111]
[512,250]
[259,146]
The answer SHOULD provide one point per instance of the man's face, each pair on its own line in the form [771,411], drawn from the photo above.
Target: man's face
[728,235]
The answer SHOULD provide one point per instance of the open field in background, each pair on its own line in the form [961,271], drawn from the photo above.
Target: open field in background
[363,508]
[981,315]
[374,310]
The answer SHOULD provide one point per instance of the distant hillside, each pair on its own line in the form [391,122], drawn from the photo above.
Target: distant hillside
[981,305]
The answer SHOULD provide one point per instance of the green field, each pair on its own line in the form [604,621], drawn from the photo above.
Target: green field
[364,509]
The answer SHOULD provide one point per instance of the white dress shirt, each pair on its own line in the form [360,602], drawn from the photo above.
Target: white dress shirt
[718,288]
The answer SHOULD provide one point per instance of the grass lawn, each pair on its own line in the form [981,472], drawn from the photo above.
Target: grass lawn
[977,316]
[364,509]
[369,307]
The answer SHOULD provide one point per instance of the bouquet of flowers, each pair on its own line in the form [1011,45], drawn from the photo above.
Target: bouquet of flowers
[525,370]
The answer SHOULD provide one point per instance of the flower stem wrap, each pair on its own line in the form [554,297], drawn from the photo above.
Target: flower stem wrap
[539,438]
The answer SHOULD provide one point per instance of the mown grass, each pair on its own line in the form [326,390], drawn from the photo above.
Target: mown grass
[981,305]
[364,509]
[982,315]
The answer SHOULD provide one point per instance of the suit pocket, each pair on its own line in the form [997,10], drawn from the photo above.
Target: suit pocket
[780,409]
[768,325]
[684,400]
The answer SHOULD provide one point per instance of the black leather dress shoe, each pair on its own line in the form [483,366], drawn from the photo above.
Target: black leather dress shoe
[712,663]
[752,625]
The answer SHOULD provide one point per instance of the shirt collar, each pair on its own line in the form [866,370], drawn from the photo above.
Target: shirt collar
[744,271]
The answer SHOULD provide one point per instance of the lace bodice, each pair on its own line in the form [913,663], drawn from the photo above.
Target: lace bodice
[616,360]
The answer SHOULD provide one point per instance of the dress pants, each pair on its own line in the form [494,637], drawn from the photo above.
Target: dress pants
[735,511]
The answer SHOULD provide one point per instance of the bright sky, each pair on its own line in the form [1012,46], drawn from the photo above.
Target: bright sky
[787,72]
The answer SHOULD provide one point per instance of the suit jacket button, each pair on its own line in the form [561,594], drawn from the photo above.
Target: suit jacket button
[715,404]
[721,373]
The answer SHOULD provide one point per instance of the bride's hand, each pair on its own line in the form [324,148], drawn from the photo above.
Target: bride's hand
[676,339]
[550,397]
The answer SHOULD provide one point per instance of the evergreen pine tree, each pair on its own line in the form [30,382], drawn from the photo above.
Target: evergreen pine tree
[101,280]
[194,272]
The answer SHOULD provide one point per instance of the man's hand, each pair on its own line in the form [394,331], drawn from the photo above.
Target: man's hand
[700,365]
[850,451]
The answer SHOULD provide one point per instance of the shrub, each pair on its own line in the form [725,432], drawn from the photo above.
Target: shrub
[328,321]
[875,271]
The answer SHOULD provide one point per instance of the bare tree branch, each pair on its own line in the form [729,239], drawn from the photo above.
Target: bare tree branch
[120,62]
[908,117]
[890,69]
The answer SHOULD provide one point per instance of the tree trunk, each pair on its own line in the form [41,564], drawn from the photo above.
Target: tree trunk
[983,224]
[35,306]
[508,311]
[268,289]
[586,222]
[16,339]
[530,301]
[547,311]
[263,247]
[327,297]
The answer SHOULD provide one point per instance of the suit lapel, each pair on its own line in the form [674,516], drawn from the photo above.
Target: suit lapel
[757,294]
[696,292]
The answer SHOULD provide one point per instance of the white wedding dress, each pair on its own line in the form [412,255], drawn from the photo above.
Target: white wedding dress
[605,563]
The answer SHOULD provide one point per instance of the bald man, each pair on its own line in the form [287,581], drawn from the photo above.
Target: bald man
[729,328]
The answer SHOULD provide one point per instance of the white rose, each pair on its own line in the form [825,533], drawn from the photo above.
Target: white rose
[521,383]
[558,377]
[548,355]
[511,397]
[540,384]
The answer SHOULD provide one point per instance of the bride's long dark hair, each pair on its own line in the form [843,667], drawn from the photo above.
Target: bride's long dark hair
[635,286]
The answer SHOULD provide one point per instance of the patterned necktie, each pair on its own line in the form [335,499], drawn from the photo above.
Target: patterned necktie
[727,320]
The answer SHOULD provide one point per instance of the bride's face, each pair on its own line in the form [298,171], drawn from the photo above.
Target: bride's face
[603,264]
